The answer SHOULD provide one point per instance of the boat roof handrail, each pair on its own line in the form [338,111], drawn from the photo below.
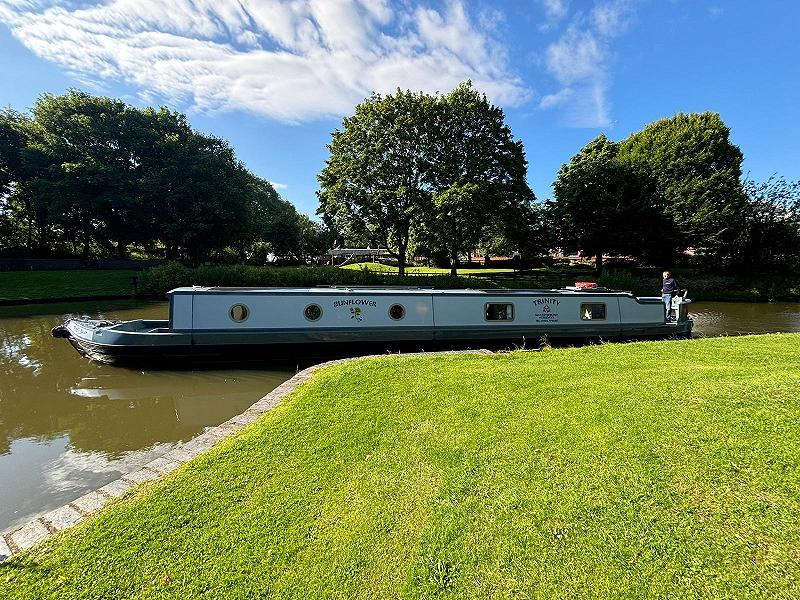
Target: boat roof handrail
[374,287]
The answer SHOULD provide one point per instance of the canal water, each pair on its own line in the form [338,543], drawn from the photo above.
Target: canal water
[68,426]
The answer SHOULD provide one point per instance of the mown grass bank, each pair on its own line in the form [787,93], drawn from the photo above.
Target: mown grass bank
[381,268]
[649,470]
[157,281]
[38,285]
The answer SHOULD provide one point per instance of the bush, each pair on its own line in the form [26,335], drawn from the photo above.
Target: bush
[157,281]
[626,281]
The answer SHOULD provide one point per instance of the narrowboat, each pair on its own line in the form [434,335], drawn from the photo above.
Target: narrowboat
[239,325]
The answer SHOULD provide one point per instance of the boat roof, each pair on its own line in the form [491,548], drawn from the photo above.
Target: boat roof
[329,290]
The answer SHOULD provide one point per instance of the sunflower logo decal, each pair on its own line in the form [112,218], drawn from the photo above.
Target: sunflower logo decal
[355,313]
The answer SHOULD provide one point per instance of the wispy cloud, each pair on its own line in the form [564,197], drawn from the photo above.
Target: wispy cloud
[579,61]
[279,186]
[554,11]
[292,61]
[613,18]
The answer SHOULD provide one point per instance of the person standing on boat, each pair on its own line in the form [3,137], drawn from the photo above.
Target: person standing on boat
[669,288]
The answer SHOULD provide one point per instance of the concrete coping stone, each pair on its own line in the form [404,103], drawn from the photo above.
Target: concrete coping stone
[63,517]
[180,455]
[116,488]
[142,475]
[28,535]
[39,529]
[163,465]
[90,503]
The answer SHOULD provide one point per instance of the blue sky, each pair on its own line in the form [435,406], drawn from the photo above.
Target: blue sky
[275,77]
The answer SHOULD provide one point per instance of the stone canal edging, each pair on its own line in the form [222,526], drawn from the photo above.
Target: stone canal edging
[43,527]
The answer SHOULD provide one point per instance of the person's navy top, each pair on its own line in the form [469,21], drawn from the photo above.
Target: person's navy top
[670,286]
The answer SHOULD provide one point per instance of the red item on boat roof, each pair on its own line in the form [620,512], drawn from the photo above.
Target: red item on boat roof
[585,285]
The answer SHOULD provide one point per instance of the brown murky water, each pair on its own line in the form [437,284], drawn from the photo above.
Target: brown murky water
[68,426]
[741,318]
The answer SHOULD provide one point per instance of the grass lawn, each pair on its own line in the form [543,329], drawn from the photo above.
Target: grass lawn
[18,285]
[381,268]
[648,470]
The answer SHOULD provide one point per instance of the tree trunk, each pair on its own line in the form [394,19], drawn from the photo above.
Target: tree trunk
[401,260]
[598,263]
[454,263]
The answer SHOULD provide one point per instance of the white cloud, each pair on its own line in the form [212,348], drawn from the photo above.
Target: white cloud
[557,99]
[577,55]
[291,60]
[580,59]
[279,186]
[555,9]
[611,19]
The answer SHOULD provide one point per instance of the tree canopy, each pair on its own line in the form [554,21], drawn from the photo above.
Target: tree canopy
[606,204]
[91,175]
[441,171]
[698,170]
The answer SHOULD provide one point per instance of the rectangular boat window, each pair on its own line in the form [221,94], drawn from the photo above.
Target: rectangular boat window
[594,311]
[499,312]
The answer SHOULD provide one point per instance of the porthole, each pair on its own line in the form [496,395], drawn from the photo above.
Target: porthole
[313,312]
[239,312]
[397,312]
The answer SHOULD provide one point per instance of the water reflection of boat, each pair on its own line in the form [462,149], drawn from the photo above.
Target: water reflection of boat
[222,396]
[236,325]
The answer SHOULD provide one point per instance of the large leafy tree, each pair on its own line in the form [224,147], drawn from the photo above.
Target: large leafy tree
[97,174]
[376,183]
[605,204]
[89,147]
[698,169]
[478,174]
[770,240]
[433,170]
[15,216]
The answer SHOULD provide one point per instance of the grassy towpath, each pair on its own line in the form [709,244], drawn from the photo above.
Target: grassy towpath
[381,268]
[38,285]
[647,470]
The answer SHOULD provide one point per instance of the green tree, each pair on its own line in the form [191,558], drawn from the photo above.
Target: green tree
[12,142]
[522,230]
[376,183]
[97,174]
[437,171]
[206,201]
[770,240]
[698,170]
[478,174]
[14,211]
[605,204]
